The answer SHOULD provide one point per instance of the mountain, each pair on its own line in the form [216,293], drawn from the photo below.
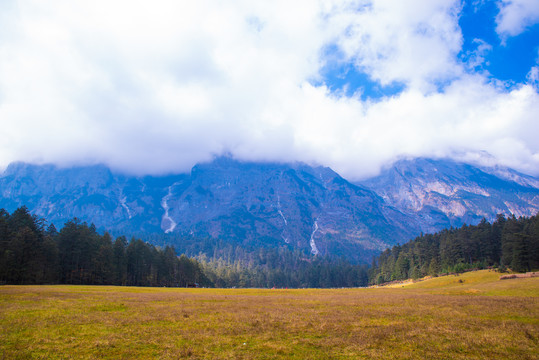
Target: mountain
[93,194]
[254,205]
[443,193]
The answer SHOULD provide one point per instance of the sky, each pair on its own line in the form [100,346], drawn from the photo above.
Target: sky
[156,87]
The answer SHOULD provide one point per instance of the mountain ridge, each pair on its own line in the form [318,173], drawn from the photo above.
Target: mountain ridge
[455,192]
[310,208]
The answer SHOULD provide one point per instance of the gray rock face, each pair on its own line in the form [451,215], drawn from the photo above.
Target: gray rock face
[268,204]
[444,193]
[313,209]
[93,194]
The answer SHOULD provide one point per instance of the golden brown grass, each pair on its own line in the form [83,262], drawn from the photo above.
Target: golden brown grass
[474,319]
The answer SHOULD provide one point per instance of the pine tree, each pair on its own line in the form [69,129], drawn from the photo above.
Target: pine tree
[434,267]
[119,261]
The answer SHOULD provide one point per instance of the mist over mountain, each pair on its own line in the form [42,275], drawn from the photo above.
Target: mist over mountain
[312,209]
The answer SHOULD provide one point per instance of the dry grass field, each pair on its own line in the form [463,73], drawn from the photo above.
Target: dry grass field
[472,316]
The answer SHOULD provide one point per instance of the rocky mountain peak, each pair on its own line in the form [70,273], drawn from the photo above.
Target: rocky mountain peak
[271,204]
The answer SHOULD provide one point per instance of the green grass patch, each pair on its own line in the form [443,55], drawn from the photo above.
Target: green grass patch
[483,282]
[479,318]
[109,307]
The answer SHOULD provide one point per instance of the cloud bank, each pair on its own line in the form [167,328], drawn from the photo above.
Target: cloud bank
[155,88]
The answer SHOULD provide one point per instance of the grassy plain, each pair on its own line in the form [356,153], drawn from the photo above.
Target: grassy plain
[472,316]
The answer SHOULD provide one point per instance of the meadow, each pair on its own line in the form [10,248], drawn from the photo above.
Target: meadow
[471,316]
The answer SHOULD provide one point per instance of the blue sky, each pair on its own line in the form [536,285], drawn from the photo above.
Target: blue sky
[153,88]
[508,59]
[505,59]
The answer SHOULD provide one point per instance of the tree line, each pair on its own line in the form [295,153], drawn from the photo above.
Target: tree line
[265,263]
[506,243]
[284,268]
[33,252]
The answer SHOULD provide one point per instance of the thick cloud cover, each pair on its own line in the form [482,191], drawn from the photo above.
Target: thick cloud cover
[155,87]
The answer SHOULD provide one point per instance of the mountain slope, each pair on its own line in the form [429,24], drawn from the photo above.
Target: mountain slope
[93,194]
[254,205]
[312,209]
[444,193]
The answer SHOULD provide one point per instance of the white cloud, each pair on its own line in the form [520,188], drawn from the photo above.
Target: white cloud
[415,42]
[476,58]
[470,116]
[516,15]
[533,77]
[154,88]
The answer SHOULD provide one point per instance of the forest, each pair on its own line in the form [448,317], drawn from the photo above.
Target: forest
[507,243]
[34,252]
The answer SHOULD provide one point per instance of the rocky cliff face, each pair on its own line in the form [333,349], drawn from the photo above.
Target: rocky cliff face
[265,204]
[444,193]
[92,194]
[299,205]
[313,209]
